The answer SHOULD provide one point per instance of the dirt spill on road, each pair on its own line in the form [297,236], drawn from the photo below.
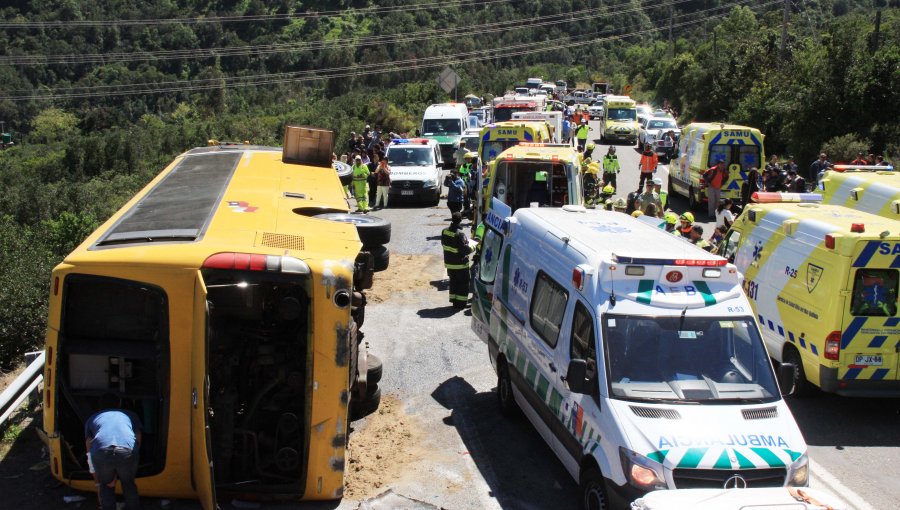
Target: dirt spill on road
[383,451]
[406,273]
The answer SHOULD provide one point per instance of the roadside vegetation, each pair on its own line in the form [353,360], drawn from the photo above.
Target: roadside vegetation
[76,160]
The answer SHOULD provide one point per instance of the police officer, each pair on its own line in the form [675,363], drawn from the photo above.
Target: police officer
[610,167]
[456,260]
[361,185]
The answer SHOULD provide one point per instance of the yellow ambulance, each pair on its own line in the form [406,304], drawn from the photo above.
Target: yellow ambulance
[701,146]
[876,191]
[822,280]
[546,174]
[221,306]
[619,120]
[499,136]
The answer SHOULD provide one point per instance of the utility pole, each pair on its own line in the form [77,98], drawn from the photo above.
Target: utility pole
[784,24]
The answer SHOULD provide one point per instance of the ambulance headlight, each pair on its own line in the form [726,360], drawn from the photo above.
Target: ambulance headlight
[429,183]
[800,472]
[642,472]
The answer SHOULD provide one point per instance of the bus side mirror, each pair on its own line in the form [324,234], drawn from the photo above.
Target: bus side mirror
[786,378]
[576,376]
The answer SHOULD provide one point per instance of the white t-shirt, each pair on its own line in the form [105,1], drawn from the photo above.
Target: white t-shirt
[723,215]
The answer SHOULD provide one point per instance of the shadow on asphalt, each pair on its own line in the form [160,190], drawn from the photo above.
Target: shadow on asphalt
[441,312]
[518,466]
[831,420]
[440,285]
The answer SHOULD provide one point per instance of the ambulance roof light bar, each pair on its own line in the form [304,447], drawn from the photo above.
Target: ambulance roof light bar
[773,197]
[844,168]
[717,262]
[423,141]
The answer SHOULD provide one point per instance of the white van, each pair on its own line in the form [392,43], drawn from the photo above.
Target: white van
[637,358]
[416,170]
[445,123]
[553,119]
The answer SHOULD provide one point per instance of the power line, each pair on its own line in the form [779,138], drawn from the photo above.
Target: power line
[242,19]
[354,70]
[256,50]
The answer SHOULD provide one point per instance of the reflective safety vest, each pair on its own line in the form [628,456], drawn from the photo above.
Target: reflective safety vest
[456,248]
[465,171]
[582,132]
[610,164]
[360,173]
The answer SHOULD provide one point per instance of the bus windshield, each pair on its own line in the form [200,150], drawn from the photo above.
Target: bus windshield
[621,114]
[687,359]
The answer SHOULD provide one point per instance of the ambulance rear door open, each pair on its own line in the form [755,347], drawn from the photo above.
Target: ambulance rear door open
[870,339]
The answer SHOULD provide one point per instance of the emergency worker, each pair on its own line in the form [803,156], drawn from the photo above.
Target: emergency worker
[581,134]
[456,259]
[687,223]
[671,221]
[610,167]
[361,185]
[696,237]
[647,166]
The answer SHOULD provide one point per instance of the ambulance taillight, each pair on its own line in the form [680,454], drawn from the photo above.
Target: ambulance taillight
[829,241]
[833,346]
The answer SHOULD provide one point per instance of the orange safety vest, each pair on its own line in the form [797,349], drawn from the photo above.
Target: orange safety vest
[648,162]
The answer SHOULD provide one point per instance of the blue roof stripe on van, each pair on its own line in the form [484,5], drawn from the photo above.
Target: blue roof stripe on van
[867,253]
[896,263]
[755,140]
[891,322]
[851,331]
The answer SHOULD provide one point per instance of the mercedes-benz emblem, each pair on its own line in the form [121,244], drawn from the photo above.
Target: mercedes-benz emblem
[406,184]
[735,482]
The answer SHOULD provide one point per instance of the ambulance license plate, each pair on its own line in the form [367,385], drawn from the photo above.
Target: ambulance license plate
[870,360]
[406,192]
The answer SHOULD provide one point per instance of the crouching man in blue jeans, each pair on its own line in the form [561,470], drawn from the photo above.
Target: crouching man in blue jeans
[113,440]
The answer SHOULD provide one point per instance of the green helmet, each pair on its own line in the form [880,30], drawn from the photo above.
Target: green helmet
[671,218]
[590,146]
[687,216]
[540,176]
[609,189]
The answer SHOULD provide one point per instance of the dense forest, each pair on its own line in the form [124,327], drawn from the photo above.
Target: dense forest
[99,96]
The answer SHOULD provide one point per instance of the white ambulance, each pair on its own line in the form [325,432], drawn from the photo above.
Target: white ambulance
[637,358]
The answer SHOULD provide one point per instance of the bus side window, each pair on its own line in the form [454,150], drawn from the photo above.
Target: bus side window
[730,245]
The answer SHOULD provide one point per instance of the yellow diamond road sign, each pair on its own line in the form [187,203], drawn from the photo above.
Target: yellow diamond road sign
[448,79]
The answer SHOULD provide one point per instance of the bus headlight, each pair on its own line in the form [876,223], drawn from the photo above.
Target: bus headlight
[642,472]
[799,474]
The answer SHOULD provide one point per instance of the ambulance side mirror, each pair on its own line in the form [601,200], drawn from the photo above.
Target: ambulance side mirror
[576,376]
[786,378]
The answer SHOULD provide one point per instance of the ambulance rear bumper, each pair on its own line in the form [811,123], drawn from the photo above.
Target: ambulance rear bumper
[856,387]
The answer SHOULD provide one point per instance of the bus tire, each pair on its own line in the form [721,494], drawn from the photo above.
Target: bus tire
[372,230]
[375,370]
[364,407]
[592,487]
[381,256]
[802,387]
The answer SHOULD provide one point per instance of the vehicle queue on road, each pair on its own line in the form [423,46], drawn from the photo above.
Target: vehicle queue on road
[817,286]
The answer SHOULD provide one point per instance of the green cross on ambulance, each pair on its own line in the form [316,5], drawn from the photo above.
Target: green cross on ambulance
[822,280]
[640,372]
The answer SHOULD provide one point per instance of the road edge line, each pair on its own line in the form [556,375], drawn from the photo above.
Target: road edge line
[832,484]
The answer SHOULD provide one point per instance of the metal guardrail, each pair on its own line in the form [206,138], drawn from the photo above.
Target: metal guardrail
[27,382]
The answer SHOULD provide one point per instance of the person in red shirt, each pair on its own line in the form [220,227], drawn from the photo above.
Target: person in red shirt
[715,176]
[647,166]
[860,159]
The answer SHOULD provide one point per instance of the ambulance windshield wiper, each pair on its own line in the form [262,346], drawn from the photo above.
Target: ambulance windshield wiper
[681,321]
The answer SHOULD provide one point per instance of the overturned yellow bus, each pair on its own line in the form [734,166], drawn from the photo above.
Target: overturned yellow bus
[221,304]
